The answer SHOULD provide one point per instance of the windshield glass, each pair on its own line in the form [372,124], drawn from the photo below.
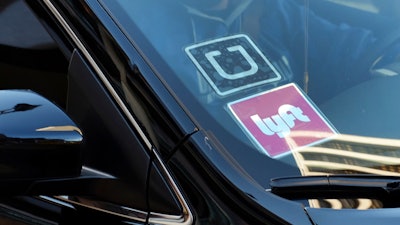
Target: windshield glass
[310,84]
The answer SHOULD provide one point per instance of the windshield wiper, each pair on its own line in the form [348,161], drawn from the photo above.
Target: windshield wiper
[338,186]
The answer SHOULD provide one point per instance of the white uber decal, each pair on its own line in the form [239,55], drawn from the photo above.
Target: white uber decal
[231,64]
[253,65]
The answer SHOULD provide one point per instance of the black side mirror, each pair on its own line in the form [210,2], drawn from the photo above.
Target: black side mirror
[37,139]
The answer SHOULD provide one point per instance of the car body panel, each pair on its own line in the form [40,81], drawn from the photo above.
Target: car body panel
[168,139]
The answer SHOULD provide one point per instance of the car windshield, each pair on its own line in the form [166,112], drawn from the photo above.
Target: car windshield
[312,85]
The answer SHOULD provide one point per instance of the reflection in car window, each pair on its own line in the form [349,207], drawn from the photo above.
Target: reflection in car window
[301,82]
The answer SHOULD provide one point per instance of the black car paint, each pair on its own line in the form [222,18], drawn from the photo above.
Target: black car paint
[115,55]
[212,197]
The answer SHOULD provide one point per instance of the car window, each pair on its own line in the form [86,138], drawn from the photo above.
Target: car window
[311,84]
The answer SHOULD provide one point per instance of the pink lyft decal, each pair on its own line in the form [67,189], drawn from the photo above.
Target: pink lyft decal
[281,120]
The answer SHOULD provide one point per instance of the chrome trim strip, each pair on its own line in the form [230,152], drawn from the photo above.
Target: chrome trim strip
[160,218]
[98,71]
[156,218]
[56,201]
[109,208]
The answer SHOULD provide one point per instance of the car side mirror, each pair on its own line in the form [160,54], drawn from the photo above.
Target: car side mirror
[37,139]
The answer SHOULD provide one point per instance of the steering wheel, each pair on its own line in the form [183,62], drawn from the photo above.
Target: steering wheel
[383,55]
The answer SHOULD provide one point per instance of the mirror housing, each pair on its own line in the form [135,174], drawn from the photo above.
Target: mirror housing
[37,139]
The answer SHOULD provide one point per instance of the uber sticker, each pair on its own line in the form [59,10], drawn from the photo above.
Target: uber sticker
[232,63]
[281,120]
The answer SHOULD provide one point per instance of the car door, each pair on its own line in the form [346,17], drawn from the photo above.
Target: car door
[126,127]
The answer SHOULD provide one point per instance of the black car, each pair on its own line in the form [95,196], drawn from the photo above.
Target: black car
[199,112]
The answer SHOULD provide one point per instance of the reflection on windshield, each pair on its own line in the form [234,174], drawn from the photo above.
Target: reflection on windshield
[360,203]
[350,154]
[280,76]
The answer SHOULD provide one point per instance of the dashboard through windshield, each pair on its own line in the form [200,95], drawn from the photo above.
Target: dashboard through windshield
[310,84]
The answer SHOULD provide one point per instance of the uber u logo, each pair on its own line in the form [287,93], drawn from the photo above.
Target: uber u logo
[232,63]
[253,66]
[282,122]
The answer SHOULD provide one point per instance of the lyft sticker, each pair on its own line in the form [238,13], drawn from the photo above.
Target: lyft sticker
[232,63]
[281,120]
